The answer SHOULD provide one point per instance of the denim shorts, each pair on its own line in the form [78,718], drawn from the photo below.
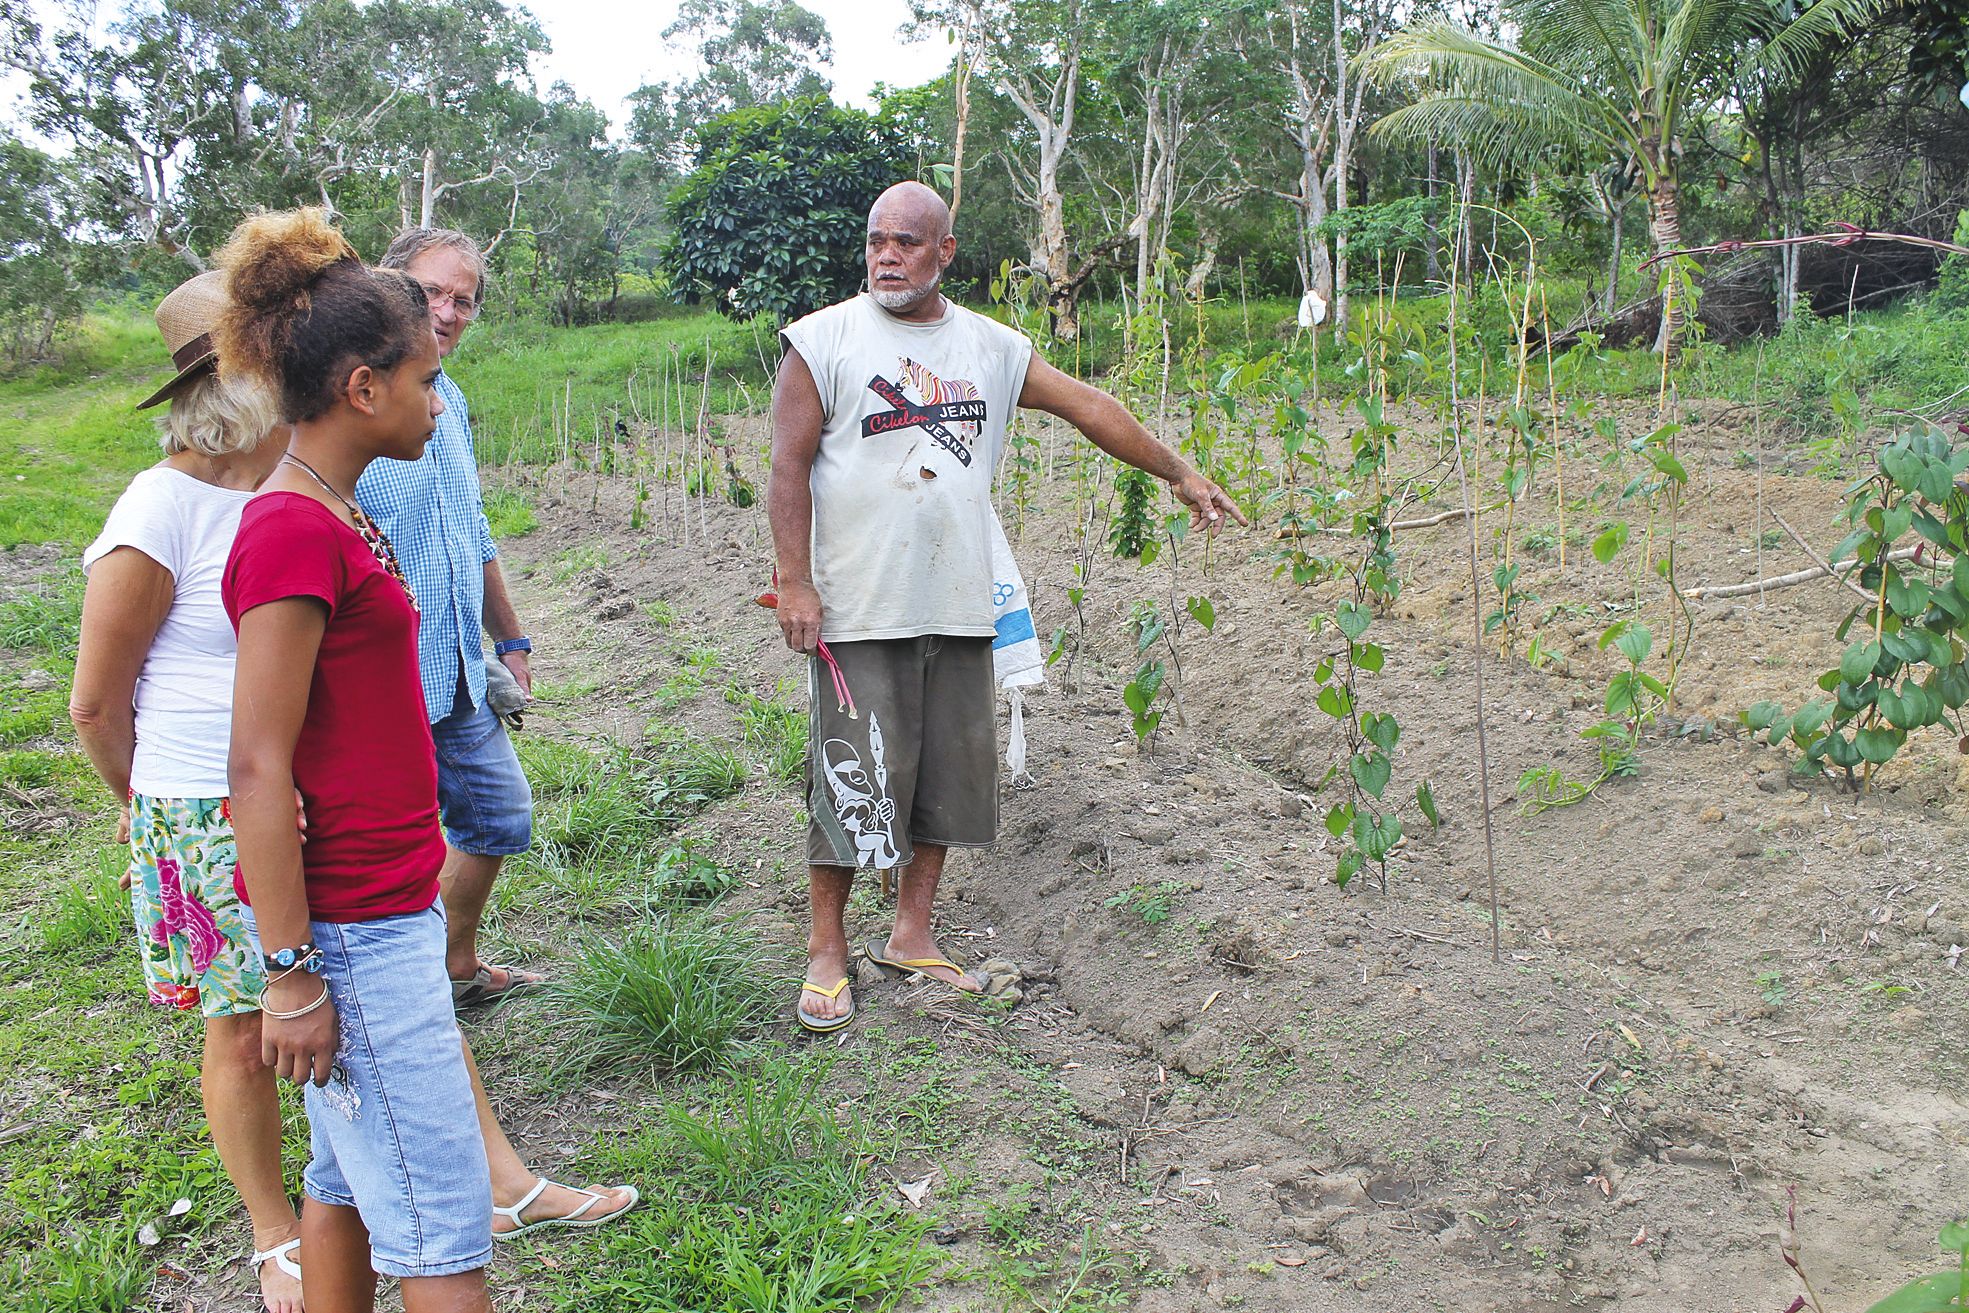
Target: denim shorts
[394,1133]
[482,792]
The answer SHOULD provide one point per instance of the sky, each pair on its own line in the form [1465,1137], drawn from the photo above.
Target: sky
[605,49]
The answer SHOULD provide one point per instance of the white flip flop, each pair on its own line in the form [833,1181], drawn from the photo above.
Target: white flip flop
[574,1218]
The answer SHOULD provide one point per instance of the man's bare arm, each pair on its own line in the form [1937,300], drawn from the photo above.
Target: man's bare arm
[797,421]
[503,622]
[1109,426]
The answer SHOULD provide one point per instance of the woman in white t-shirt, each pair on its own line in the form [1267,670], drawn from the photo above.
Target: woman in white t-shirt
[152,707]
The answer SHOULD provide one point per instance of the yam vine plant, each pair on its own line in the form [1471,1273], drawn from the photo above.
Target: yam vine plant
[1906,661]
[1365,821]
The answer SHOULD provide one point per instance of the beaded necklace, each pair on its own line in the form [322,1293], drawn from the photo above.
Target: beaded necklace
[366,528]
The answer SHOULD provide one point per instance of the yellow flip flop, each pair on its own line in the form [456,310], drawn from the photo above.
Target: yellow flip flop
[824,1025]
[878,953]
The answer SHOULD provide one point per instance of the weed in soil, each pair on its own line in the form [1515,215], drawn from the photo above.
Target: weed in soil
[676,993]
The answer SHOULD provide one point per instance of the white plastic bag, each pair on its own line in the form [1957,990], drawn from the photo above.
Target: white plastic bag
[1017,661]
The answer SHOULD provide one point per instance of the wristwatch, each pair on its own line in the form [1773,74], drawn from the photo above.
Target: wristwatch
[505,645]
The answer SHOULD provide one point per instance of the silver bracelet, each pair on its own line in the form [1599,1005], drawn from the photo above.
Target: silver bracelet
[301,1012]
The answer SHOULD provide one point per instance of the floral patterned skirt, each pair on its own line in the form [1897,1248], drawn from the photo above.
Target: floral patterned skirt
[197,951]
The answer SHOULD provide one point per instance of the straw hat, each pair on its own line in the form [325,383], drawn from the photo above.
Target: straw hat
[186,318]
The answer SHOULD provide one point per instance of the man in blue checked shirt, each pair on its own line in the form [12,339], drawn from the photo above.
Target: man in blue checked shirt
[433,513]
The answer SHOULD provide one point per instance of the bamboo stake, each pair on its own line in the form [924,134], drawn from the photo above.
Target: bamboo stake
[1552,418]
[1477,636]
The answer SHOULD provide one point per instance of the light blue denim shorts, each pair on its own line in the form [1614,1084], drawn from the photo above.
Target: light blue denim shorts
[482,792]
[395,1132]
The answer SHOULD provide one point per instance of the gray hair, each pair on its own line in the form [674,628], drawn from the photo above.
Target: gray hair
[407,245]
[217,416]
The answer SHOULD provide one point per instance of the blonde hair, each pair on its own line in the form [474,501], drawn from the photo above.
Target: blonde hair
[217,415]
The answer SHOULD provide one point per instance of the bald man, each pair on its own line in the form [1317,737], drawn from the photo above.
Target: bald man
[889,414]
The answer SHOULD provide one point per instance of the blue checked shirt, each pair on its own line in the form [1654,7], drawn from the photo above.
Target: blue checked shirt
[435,518]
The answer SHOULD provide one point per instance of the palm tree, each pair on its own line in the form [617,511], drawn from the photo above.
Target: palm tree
[1624,76]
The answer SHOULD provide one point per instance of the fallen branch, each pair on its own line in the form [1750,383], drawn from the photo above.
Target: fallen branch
[1423,522]
[1804,576]
[1847,235]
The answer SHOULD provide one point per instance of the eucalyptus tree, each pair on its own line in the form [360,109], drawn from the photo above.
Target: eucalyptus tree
[754,52]
[1037,55]
[1631,76]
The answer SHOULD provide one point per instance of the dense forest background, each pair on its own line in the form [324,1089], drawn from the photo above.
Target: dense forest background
[1110,149]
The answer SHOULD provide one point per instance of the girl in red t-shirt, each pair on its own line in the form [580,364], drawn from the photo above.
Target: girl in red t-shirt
[327,700]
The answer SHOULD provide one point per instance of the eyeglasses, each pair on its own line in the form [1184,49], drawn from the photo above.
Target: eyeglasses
[464,307]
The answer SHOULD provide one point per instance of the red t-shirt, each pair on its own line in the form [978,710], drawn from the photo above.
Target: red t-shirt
[364,763]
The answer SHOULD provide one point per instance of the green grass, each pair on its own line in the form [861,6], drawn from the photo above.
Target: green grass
[674,994]
[92,910]
[47,619]
[508,513]
[757,1198]
[775,732]
[537,390]
[71,436]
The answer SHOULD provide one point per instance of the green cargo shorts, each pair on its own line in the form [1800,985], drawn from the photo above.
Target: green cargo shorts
[910,756]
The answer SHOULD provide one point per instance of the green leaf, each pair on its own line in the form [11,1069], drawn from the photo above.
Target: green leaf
[1664,461]
[1338,818]
[1202,612]
[1613,632]
[1636,643]
[1425,798]
[1895,708]
[1382,730]
[1333,700]
[1371,771]
[1841,751]
[1609,543]
[1620,694]
[1347,867]
[1808,718]
[1759,715]
[1353,619]
[1936,483]
[1929,1294]
[1857,661]
[1955,1236]
[1878,745]
[1369,657]
[1903,467]
[1136,698]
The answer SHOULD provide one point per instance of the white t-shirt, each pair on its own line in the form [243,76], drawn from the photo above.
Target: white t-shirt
[915,421]
[184,691]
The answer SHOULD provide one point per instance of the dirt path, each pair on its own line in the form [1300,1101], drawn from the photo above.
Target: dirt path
[1716,985]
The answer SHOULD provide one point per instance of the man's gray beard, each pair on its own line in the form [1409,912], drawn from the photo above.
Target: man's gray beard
[907,300]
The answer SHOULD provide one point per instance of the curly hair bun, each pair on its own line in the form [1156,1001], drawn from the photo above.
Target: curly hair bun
[271,259]
[303,305]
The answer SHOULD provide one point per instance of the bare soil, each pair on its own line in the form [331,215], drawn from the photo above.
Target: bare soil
[1306,1098]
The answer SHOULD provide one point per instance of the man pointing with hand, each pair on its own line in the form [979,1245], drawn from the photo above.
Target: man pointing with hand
[889,414]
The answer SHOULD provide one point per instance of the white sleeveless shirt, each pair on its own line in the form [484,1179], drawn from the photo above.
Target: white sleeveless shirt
[915,418]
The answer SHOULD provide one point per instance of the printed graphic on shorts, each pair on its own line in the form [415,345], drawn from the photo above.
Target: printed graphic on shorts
[340,1093]
[860,798]
[197,953]
[950,411]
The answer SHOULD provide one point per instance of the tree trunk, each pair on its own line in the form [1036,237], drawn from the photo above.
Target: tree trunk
[1343,149]
[1435,268]
[1665,226]
[428,206]
[1614,208]
[961,82]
